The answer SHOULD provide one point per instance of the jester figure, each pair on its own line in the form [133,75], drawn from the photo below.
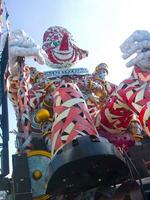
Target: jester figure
[56,130]
[98,89]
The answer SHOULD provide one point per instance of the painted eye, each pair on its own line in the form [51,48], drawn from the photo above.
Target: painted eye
[55,43]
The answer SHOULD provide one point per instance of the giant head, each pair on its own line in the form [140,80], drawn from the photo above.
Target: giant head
[60,48]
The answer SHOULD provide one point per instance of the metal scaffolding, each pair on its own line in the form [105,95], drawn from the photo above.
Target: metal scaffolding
[4,130]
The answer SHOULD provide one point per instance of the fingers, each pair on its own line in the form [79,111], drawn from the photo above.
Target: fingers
[137,36]
[22,45]
[135,48]
[134,60]
[141,56]
[40,58]
[27,52]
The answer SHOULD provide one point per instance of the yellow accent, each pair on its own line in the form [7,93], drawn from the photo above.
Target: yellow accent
[43,197]
[42,115]
[137,137]
[37,174]
[38,153]
[101,93]
[90,84]
[46,133]
[47,104]
[49,86]
[135,128]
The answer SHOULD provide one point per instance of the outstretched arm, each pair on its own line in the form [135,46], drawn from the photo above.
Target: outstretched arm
[19,79]
[21,45]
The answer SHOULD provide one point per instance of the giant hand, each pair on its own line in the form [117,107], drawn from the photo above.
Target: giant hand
[20,44]
[138,44]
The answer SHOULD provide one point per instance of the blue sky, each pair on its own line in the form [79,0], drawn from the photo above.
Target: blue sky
[99,26]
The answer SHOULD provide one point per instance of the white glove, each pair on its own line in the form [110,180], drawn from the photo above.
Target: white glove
[22,45]
[137,49]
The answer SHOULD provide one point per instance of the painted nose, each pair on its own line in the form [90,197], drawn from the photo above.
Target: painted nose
[64,46]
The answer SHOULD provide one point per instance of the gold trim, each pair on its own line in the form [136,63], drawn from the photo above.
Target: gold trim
[37,174]
[39,153]
[43,197]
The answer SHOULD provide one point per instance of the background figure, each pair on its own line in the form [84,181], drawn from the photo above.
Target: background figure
[100,73]
[127,110]
[98,89]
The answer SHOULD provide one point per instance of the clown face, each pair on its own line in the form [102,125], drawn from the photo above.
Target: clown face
[58,44]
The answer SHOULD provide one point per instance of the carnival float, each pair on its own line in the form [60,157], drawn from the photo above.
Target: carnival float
[77,134]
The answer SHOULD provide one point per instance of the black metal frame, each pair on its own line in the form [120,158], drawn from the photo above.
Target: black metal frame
[4,151]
